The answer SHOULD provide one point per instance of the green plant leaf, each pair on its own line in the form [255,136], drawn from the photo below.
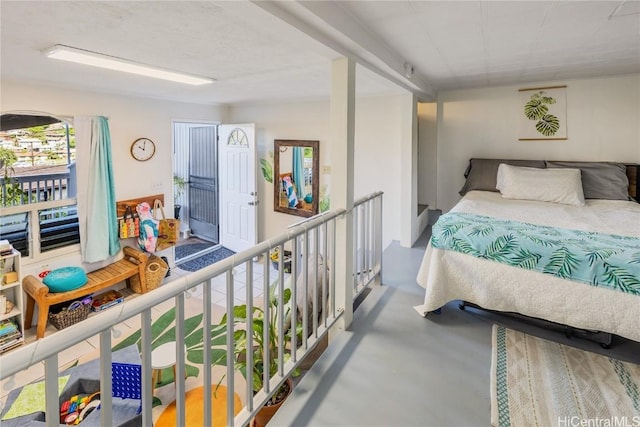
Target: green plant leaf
[561,263]
[542,242]
[157,327]
[463,246]
[621,278]
[481,230]
[267,170]
[548,125]
[535,109]
[156,402]
[525,259]
[600,254]
[449,230]
[500,249]
[218,356]
[192,371]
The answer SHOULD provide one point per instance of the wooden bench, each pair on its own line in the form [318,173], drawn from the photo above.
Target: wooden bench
[133,263]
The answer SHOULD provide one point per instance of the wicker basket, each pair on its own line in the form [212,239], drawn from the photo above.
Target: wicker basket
[155,271]
[71,315]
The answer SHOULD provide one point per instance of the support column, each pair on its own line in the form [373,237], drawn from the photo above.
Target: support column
[409,171]
[342,124]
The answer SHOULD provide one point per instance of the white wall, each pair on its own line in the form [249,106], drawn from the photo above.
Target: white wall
[603,124]
[129,118]
[427,154]
[302,121]
[378,140]
[377,152]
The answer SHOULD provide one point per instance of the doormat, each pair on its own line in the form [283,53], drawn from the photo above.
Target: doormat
[540,382]
[206,259]
[184,251]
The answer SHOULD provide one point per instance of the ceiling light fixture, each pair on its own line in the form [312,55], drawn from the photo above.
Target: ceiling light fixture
[86,57]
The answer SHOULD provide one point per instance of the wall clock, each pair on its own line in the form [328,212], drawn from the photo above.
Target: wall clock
[143,149]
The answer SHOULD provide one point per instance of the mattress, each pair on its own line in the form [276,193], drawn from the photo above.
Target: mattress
[448,275]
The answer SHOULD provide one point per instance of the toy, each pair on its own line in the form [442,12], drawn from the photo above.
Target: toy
[74,410]
[106,300]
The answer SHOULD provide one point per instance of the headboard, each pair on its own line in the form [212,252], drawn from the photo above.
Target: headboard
[481,175]
[633,173]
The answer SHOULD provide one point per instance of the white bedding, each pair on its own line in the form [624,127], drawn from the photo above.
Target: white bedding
[449,275]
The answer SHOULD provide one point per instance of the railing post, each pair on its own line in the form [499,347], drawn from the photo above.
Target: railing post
[51,391]
[377,236]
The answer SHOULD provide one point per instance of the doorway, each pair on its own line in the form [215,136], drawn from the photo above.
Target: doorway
[195,169]
[202,183]
[218,202]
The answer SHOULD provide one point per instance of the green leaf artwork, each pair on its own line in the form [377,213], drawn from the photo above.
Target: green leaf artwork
[548,125]
[267,170]
[537,109]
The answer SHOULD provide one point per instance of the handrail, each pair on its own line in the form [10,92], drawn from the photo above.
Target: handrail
[41,349]
[312,243]
[366,198]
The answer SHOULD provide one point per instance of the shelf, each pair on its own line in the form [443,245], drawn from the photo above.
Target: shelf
[15,311]
[13,292]
[9,285]
[13,345]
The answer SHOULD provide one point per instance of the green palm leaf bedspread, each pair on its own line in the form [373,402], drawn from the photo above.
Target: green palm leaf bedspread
[598,259]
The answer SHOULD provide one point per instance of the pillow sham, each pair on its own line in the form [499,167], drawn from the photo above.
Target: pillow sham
[560,185]
[600,180]
[481,173]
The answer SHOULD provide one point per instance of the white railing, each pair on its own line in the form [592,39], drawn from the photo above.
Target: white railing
[367,241]
[312,245]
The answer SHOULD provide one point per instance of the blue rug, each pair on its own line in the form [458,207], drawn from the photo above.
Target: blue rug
[207,259]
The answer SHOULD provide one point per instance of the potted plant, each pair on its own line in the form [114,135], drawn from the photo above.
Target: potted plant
[260,348]
[179,185]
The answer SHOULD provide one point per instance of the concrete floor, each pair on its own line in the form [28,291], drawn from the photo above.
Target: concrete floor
[396,368]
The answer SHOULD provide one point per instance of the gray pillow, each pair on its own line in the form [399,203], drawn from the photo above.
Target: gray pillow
[481,173]
[600,180]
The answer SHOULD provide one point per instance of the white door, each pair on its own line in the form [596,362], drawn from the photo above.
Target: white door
[238,186]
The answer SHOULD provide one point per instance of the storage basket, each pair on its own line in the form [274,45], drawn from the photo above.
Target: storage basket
[76,312]
[155,270]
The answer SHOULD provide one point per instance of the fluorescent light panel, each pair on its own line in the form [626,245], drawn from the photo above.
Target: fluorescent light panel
[86,57]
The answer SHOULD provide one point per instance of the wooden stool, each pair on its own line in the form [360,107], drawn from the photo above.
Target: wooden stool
[161,358]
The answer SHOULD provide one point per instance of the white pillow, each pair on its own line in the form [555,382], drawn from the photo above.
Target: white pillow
[545,185]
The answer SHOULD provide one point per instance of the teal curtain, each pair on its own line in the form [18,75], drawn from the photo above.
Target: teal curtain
[101,240]
[298,171]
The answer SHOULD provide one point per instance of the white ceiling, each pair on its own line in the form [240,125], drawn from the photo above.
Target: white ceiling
[270,51]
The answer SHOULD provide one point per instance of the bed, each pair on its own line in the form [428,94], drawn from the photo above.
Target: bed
[605,210]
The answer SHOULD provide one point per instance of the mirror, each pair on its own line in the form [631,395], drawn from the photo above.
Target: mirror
[296,167]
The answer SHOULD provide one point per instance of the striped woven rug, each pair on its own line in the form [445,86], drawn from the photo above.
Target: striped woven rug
[535,382]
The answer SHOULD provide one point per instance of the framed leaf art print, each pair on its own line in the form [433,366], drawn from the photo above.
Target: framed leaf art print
[543,113]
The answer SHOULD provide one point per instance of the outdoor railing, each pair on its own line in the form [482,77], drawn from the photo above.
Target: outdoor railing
[311,285]
[38,188]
